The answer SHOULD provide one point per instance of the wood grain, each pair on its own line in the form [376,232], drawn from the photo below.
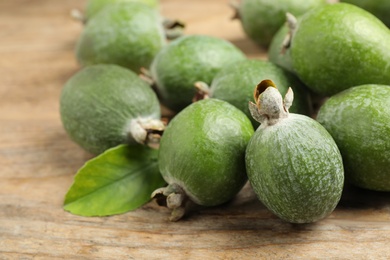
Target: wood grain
[38,162]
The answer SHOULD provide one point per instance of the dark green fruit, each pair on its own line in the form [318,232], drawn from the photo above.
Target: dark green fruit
[129,34]
[201,155]
[261,19]
[94,6]
[106,105]
[338,46]
[235,84]
[359,121]
[293,164]
[187,60]
[379,8]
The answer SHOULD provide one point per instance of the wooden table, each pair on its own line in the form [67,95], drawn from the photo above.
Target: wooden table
[38,162]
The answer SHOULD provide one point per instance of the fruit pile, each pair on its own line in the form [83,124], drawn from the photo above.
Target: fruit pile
[320,112]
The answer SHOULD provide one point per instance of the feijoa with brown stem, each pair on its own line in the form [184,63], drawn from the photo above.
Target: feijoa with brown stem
[104,105]
[293,163]
[202,156]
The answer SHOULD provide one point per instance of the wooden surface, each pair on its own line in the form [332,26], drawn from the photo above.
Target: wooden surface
[38,162]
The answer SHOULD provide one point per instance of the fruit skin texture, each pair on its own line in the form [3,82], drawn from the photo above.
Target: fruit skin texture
[98,103]
[292,162]
[379,8]
[202,150]
[129,34]
[295,169]
[189,59]
[339,46]
[261,19]
[235,83]
[95,6]
[359,121]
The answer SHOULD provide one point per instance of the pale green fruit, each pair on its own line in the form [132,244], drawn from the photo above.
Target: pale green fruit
[129,34]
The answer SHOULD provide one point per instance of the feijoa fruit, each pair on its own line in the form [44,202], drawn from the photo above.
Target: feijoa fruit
[338,46]
[293,163]
[106,105]
[128,34]
[186,60]
[202,155]
[359,121]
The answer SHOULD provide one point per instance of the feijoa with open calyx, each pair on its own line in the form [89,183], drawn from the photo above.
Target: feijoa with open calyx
[292,162]
[338,46]
[94,6]
[261,19]
[186,60]
[104,105]
[202,155]
[359,121]
[129,34]
[234,83]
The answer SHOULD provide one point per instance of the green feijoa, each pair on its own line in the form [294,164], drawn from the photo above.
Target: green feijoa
[105,105]
[202,155]
[292,162]
[359,121]
[94,6]
[186,60]
[338,46]
[129,34]
[261,19]
[235,83]
[379,8]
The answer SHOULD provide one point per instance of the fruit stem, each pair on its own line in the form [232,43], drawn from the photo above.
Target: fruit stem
[146,75]
[146,130]
[173,28]
[292,23]
[202,91]
[173,197]
[78,15]
[235,5]
[269,107]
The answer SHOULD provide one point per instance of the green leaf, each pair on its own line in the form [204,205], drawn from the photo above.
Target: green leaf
[119,180]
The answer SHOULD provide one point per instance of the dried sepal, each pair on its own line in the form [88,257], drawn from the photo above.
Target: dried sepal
[270,107]
[292,23]
[202,91]
[146,130]
[288,99]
